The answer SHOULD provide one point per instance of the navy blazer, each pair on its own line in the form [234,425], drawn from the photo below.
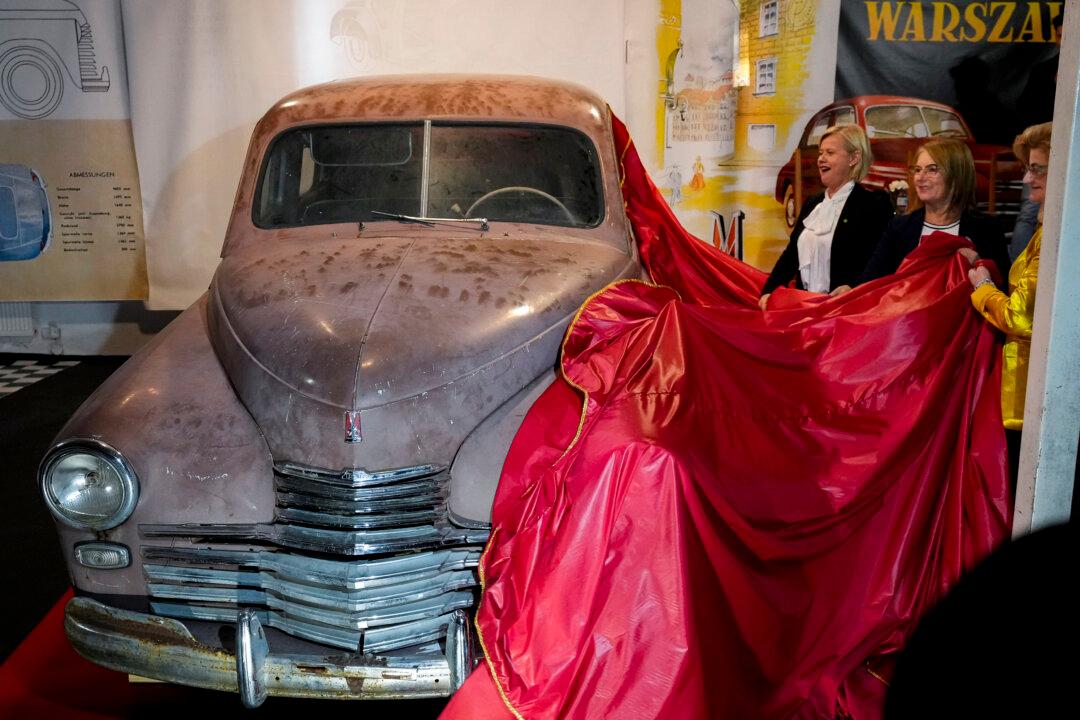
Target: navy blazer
[861,222]
[905,231]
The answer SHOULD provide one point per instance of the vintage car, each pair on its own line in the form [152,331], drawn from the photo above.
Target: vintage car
[896,127]
[25,225]
[287,491]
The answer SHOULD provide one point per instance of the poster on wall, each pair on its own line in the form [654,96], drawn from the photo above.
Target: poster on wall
[696,111]
[985,60]
[738,78]
[979,72]
[70,207]
[747,87]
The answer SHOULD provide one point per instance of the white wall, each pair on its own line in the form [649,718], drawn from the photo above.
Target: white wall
[197,94]
[78,328]
[201,73]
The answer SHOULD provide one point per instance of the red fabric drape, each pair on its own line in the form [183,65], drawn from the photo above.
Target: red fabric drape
[724,513]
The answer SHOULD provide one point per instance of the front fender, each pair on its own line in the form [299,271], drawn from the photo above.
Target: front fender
[197,453]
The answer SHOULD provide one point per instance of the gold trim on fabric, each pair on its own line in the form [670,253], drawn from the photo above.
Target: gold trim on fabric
[577,436]
[875,675]
[480,634]
[562,352]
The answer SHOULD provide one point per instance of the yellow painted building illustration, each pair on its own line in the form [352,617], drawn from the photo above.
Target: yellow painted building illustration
[722,138]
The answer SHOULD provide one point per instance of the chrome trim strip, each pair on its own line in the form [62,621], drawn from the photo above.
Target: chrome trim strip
[342,542]
[466,522]
[357,478]
[357,521]
[426,497]
[336,492]
[163,649]
[425,173]
[202,585]
[343,574]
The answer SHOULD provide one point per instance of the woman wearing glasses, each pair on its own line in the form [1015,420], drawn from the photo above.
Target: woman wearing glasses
[944,179]
[1012,313]
[834,235]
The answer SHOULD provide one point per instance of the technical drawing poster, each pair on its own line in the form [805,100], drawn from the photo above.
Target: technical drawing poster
[70,207]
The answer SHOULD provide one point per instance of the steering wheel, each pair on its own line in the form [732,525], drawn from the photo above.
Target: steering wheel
[525,189]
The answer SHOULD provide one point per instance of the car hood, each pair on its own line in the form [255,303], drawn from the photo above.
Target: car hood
[359,323]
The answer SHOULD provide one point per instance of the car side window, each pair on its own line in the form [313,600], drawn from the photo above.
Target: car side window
[895,121]
[943,123]
[844,116]
[817,128]
[9,216]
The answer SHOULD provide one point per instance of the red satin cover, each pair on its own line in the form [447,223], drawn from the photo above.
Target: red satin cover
[720,513]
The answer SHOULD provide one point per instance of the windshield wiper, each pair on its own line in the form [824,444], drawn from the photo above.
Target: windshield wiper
[430,221]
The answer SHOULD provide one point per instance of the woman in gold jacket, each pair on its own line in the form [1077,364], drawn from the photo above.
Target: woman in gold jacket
[1013,313]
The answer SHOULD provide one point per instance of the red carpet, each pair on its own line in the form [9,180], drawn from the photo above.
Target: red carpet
[46,678]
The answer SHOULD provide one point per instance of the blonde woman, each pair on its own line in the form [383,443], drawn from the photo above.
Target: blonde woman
[837,229]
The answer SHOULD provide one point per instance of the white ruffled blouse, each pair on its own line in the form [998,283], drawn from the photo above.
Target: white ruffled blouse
[815,241]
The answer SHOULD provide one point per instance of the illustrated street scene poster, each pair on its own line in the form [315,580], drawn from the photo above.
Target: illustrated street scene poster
[746,87]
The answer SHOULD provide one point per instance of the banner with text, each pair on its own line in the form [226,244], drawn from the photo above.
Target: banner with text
[746,89]
[70,206]
[995,63]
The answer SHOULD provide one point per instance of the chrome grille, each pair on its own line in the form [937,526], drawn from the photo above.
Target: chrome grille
[400,571]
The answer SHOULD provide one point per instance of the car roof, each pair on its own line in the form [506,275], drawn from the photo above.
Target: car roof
[445,97]
[864,101]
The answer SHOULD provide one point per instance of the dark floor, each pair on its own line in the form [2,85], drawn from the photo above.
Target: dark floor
[34,575]
[29,420]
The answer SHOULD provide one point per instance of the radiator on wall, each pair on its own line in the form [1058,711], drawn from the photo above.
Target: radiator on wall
[16,320]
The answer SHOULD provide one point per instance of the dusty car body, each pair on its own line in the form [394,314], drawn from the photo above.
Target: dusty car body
[302,464]
[25,222]
[896,127]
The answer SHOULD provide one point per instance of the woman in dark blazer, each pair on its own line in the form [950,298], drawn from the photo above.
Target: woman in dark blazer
[944,179]
[836,231]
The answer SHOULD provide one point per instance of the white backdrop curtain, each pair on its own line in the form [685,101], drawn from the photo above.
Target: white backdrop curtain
[202,72]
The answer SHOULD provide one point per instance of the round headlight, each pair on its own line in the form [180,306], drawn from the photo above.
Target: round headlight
[88,484]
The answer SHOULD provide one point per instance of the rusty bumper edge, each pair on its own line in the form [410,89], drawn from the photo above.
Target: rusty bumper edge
[163,649]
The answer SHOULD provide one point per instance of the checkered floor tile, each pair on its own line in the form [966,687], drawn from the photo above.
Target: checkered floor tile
[20,373]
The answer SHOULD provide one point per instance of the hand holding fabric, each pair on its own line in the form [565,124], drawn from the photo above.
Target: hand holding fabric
[969,254]
[979,275]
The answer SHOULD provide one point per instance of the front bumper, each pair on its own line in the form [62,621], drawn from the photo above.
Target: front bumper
[163,649]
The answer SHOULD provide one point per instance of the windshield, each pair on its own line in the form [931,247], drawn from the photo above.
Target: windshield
[943,123]
[513,173]
[888,121]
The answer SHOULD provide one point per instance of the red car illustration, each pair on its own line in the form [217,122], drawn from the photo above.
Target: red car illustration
[897,126]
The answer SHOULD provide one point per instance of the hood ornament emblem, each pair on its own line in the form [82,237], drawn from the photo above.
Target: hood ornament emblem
[352,426]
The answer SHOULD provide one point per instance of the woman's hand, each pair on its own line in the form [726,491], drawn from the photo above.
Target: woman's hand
[970,255]
[978,276]
[763,300]
[840,290]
